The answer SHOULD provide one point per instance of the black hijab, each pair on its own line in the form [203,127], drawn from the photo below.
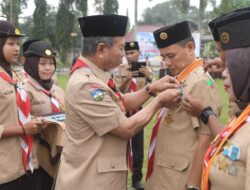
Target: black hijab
[3,63]
[33,53]
[238,62]
[31,67]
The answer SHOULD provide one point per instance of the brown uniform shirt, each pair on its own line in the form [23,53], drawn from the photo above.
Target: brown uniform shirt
[11,164]
[228,174]
[92,157]
[41,105]
[177,135]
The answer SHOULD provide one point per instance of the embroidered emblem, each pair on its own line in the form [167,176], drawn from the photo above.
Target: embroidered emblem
[97,94]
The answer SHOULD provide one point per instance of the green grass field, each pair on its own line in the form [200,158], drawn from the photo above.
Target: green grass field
[62,81]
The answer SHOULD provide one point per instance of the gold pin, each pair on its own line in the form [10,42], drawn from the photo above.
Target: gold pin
[224,37]
[224,164]
[132,44]
[48,52]
[169,118]
[163,36]
[17,31]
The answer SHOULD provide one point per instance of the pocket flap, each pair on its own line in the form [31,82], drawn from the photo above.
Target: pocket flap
[173,162]
[111,164]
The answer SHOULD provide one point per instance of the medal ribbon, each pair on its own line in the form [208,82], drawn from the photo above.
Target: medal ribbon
[219,142]
[151,155]
[23,117]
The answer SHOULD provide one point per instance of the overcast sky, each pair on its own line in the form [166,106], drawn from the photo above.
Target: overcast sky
[124,5]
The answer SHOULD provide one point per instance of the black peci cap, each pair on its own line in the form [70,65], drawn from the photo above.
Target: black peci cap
[131,46]
[169,35]
[41,49]
[235,35]
[103,25]
[236,15]
[7,29]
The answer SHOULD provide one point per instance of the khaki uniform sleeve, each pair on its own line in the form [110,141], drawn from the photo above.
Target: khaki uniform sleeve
[103,115]
[206,90]
[1,130]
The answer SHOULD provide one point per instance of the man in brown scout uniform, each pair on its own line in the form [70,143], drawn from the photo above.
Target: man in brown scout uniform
[95,148]
[175,162]
[129,83]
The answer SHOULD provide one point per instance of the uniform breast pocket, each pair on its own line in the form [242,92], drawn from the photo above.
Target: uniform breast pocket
[113,171]
[111,164]
[177,163]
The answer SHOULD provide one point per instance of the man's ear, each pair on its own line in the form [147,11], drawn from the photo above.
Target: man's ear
[101,49]
[191,46]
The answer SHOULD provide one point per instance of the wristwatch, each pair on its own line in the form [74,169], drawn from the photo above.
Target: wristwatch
[149,91]
[193,188]
[205,114]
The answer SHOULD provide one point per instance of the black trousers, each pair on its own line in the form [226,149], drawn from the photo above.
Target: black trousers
[137,148]
[28,181]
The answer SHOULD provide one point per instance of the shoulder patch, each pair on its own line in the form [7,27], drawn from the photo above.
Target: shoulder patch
[97,94]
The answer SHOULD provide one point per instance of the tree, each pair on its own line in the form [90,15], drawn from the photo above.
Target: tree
[227,6]
[39,19]
[64,26]
[110,7]
[12,9]
[82,6]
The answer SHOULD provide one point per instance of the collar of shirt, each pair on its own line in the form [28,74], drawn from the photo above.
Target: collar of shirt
[99,73]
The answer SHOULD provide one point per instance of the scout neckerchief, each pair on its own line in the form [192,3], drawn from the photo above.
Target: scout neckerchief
[132,88]
[23,117]
[181,77]
[219,142]
[55,106]
[80,64]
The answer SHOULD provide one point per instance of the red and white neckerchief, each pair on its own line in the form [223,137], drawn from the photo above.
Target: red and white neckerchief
[23,117]
[55,106]
[181,77]
[151,151]
[132,88]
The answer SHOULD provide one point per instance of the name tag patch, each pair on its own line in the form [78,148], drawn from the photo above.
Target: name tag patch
[97,94]
[8,92]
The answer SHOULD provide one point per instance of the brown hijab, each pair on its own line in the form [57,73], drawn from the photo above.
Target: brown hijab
[238,62]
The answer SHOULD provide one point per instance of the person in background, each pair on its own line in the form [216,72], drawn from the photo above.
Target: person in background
[16,130]
[45,98]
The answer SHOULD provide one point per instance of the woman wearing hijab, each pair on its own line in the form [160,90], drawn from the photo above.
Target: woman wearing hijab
[227,161]
[46,98]
[16,129]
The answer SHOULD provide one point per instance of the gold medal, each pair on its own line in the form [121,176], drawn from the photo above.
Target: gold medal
[224,164]
[169,118]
